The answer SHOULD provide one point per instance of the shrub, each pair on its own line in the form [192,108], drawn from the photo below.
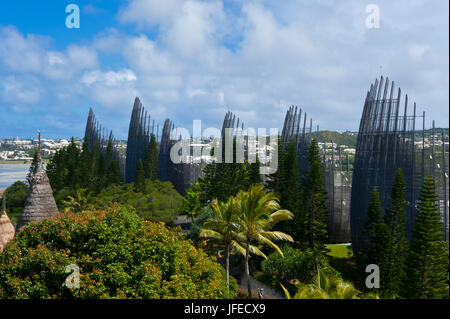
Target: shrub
[159,202]
[16,195]
[119,256]
[296,264]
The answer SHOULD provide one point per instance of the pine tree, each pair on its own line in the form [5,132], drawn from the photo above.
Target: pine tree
[114,173]
[101,172]
[154,156]
[151,159]
[286,183]
[112,166]
[85,161]
[254,176]
[274,183]
[315,203]
[392,273]
[93,167]
[427,260]
[139,184]
[375,237]
[33,167]
[57,170]
[73,162]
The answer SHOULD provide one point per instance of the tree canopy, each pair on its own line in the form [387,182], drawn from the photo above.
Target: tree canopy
[119,255]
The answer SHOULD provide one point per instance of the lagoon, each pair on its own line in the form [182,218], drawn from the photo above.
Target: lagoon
[9,173]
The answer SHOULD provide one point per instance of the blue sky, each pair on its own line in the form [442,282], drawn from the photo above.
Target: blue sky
[197,59]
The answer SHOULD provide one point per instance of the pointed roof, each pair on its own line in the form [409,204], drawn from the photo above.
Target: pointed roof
[6,228]
[40,203]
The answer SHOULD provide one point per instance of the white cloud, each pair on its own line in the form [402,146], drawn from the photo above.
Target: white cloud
[194,59]
[192,33]
[109,78]
[416,51]
[23,90]
[30,53]
[150,12]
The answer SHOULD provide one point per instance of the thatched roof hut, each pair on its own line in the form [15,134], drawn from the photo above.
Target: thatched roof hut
[6,228]
[40,203]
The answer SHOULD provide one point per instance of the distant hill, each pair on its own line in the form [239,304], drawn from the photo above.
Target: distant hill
[345,138]
[349,138]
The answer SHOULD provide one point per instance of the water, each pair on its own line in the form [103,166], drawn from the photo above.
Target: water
[9,173]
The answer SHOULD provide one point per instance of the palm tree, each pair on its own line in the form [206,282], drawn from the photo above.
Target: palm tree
[223,228]
[258,212]
[326,286]
[78,203]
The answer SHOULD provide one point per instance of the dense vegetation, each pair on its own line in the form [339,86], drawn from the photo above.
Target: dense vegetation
[418,269]
[245,221]
[72,168]
[119,256]
[16,194]
[235,216]
[346,138]
[156,201]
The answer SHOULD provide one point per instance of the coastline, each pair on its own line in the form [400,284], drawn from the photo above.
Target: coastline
[15,162]
[10,173]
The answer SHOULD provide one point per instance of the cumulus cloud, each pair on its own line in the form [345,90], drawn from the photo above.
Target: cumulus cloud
[195,59]
[109,78]
[31,53]
[23,90]
[150,12]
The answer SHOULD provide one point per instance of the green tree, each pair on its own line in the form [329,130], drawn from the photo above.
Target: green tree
[16,195]
[294,264]
[85,161]
[325,286]
[223,228]
[112,170]
[192,204]
[254,176]
[77,203]
[73,165]
[375,236]
[285,182]
[119,256]
[392,273]
[151,159]
[101,172]
[258,212]
[33,167]
[427,260]
[159,202]
[57,170]
[139,184]
[315,203]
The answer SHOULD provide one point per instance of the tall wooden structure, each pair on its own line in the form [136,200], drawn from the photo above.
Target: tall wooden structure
[390,138]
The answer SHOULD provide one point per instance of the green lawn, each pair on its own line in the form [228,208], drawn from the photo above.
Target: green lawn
[340,251]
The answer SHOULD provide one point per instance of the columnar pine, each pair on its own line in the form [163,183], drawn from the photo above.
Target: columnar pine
[151,160]
[392,273]
[73,165]
[374,235]
[285,182]
[101,172]
[427,260]
[254,175]
[72,168]
[315,203]
[33,167]
[85,163]
[139,184]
